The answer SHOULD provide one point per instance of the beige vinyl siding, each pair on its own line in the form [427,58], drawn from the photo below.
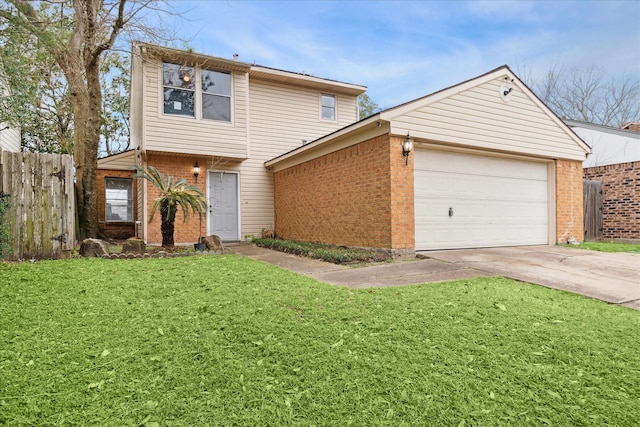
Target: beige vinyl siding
[189,135]
[122,161]
[478,117]
[9,139]
[136,97]
[280,118]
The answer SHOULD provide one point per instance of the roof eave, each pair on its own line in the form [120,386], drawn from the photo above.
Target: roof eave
[283,76]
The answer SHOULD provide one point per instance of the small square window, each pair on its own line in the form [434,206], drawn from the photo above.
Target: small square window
[328,106]
[118,199]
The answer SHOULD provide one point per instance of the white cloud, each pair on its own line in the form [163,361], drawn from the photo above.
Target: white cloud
[403,50]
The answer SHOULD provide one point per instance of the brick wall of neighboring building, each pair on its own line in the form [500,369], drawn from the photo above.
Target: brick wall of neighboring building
[346,197]
[111,229]
[569,210]
[178,167]
[621,199]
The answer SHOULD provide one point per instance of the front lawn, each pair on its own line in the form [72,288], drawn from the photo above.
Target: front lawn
[609,247]
[225,340]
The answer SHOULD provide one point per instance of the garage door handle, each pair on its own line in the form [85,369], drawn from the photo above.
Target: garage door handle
[450,211]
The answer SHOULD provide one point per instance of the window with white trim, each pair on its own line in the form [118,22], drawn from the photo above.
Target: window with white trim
[118,199]
[216,95]
[181,93]
[178,83]
[328,107]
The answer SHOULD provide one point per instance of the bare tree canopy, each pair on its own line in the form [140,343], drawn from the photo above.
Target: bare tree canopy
[76,34]
[587,94]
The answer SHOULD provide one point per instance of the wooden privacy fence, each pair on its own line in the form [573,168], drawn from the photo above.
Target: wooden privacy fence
[593,203]
[42,212]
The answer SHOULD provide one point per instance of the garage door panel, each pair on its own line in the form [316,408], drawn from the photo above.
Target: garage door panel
[494,201]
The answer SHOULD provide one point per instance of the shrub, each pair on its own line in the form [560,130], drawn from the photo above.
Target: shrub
[331,253]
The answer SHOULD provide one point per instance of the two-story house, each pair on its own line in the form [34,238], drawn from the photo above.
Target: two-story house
[481,163]
[213,122]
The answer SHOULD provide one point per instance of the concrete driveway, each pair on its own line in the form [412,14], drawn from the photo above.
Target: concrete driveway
[611,277]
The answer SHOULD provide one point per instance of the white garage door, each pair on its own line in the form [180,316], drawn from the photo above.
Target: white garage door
[468,201]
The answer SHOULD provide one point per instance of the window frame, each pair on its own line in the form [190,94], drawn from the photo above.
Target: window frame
[192,89]
[335,107]
[129,200]
[219,95]
[198,93]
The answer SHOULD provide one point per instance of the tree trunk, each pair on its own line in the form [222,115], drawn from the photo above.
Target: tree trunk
[167,227]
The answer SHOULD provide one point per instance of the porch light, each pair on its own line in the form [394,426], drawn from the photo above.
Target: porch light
[407,147]
[196,170]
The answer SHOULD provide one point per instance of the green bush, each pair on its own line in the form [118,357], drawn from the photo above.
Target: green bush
[6,246]
[330,253]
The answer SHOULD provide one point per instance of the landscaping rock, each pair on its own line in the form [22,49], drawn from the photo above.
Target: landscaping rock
[134,246]
[94,248]
[213,243]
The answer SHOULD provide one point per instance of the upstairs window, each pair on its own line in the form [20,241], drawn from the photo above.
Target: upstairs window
[185,86]
[178,82]
[119,199]
[328,107]
[216,95]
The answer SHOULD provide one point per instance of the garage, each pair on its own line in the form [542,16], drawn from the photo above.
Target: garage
[465,200]
[480,164]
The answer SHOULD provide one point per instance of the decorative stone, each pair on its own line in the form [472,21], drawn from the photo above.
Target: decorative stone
[213,243]
[94,248]
[134,246]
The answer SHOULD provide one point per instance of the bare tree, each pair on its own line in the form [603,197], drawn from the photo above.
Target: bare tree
[587,94]
[77,38]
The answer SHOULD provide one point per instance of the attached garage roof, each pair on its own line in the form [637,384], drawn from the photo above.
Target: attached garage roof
[495,111]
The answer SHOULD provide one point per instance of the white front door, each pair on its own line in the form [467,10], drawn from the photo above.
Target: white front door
[469,201]
[223,205]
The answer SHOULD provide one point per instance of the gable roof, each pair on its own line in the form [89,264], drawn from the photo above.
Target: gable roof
[471,114]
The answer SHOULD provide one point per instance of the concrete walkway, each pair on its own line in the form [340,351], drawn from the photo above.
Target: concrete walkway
[611,277]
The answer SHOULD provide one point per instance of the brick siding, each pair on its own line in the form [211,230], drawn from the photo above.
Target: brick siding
[358,196]
[621,199]
[178,167]
[569,213]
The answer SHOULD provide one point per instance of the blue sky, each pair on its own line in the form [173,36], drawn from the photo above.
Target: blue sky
[402,50]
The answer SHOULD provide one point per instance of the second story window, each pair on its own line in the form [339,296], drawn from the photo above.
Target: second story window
[216,95]
[328,107]
[178,83]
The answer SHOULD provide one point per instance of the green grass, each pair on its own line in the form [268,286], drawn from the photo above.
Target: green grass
[225,340]
[608,247]
[330,253]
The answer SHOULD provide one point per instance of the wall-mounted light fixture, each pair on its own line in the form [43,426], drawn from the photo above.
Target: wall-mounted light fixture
[407,148]
[196,170]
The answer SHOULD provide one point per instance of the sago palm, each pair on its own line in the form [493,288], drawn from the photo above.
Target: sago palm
[173,195]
